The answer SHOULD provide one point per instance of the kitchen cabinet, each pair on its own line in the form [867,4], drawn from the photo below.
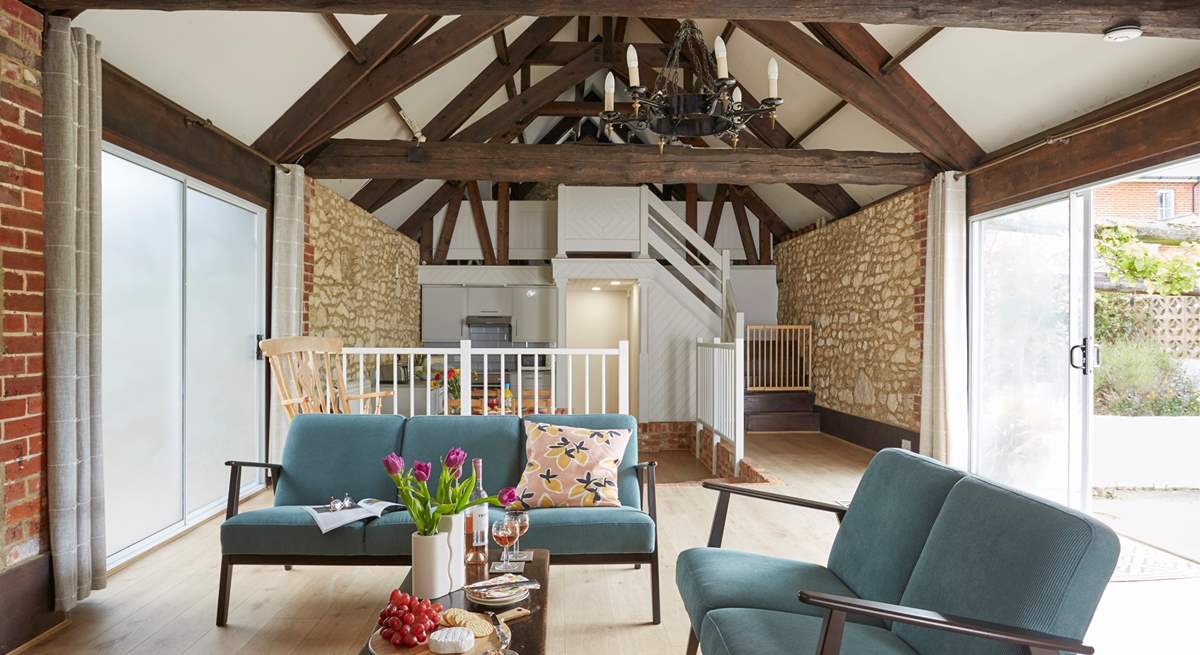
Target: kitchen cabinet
[442,313]
[534,314]
[489,301]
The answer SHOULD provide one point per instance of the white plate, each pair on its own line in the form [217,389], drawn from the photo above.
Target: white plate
[499,602]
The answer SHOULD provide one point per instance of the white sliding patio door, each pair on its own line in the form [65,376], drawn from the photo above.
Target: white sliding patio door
[182,296]
[1031,357]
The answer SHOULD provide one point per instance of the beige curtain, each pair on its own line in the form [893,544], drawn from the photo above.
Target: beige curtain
[944,365]
[287,278]
[71,88]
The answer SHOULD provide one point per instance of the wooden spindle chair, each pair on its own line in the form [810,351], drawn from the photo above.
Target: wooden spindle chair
[309,377]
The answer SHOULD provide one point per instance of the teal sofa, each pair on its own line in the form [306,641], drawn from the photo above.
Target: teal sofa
[927,560]
[331,455]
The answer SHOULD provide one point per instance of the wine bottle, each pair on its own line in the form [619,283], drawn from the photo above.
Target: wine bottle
[477,520]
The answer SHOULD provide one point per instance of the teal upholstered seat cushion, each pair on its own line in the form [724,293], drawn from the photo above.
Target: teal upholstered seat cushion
[390,534]
[744,631]
[287,531]
[587,530]
[334,454]
[496,439]
[713,578]
[627,482]
[1002,556]
[884,530]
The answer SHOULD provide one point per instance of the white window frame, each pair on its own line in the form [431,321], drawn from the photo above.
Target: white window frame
[1165,210]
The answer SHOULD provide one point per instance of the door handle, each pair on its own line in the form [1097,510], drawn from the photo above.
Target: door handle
[1082,365]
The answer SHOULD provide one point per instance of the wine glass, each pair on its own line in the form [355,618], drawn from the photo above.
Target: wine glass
[505,533]
[520,520]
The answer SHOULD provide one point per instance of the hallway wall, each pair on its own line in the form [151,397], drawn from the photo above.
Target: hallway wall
[860,282]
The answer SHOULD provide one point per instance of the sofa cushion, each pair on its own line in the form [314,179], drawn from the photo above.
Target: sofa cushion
[287,531]
[744,631]
[570,467]
[1003,556]
[714,578]
[496,439]
[889,518]
[627,484]
[587,531]
[390,534]
[334,454]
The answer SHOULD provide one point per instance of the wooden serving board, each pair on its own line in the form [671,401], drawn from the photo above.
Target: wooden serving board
[378,646]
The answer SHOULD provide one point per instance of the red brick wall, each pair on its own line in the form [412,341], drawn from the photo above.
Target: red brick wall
[1138,200]
[660,436]
[309,258]
[22,420]
[920,237]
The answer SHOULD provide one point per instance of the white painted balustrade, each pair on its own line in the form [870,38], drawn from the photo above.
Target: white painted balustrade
[538,380]
[720,392]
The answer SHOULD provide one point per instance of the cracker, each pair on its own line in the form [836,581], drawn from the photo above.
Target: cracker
[478,627]
[455,617]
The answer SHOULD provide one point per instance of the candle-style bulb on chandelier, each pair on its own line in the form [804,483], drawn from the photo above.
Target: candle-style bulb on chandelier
[712,106]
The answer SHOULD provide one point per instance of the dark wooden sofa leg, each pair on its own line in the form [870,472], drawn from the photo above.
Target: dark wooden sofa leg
[287,567]
[693,643]
[637,567]
[655,601]
[223,591]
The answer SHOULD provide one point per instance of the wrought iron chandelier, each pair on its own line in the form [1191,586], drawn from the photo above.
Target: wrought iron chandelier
[712,107]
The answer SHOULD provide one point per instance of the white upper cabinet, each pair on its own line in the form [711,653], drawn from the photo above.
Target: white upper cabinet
[442,312]
[489,301]
[534,314]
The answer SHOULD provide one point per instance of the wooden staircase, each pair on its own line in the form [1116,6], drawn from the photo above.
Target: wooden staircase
[781,411]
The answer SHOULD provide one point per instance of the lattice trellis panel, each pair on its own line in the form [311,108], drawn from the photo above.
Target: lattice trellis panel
[1175,322]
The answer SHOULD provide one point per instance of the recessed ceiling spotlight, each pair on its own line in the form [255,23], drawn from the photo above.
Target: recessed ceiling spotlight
[595,288]
[615,283]
[1120,33]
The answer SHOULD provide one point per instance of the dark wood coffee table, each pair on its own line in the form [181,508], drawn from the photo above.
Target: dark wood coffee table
[528,634]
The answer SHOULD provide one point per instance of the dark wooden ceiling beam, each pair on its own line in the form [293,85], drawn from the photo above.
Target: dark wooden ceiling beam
[378,193]
[428,209]
[392,34]
[449,221]
[715,211]
[397,73]
[1164,18]
[511,115]
[557,53]
[851,83]
[481,227]
[857,45]
[743,225]
[763,212]
[569,164]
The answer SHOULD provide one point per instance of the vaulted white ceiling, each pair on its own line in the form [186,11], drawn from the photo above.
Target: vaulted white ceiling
[244,69]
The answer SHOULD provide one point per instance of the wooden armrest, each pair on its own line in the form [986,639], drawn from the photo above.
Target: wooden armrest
[235,482]
[1039,643]
[646,482]
[293,401]
[369,395]
[717,533]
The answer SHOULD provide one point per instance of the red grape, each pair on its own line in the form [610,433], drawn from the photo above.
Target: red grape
[409,641]
[393,622]
[387,633]
[437,607]
[408,618]
[397,639]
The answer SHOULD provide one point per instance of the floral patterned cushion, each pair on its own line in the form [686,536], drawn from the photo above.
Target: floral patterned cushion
[571,467]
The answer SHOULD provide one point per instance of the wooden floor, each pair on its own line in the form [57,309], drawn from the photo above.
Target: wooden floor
[166,601]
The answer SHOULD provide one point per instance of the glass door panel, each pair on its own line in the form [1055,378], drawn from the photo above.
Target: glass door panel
[142,342]
[223,379]
[1027,311]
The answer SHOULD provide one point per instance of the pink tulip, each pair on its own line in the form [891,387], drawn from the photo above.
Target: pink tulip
[454,461]
[507,496]
[421,470]
[394,464]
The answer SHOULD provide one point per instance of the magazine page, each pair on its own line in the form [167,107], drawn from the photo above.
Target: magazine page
[377,507]
[328,519]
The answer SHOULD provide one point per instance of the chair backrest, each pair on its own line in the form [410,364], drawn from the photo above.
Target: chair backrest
[328,455]
[493,438]
[885,528]
[1000,555]
[627,485]
[309,377]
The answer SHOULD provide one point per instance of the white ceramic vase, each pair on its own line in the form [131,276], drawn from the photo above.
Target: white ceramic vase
[430,565]
[455,528]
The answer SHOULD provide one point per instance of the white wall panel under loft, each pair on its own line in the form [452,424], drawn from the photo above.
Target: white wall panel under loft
[509,276]
[595,319]
[599,219]
[756,293]
[531,230]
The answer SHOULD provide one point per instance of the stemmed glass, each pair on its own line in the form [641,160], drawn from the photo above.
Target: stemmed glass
[520,520]
[505,534]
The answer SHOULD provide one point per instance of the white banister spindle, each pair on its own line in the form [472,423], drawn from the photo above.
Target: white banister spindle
[500,389]
[362,404]
[412,384]
[465,396]
[485,385]
[603,383]
[553,384]
[395,384]
[570,384]
[520,403]
[623,376]
[587,384]
[537,387]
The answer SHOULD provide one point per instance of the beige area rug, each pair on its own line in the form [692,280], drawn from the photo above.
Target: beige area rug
[1141,562]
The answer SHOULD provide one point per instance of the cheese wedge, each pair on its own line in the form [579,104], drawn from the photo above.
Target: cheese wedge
[451,640]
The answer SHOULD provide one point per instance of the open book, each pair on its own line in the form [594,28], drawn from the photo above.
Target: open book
[328,519]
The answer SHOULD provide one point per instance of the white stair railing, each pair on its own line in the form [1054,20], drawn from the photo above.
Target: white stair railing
[544,379]
[720,392]
[705,269]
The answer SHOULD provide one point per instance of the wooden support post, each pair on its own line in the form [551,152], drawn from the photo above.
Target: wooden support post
[743,224]
[481,226]
[583,32]
[502,197]
[764,243]
[714,214]
[448,223]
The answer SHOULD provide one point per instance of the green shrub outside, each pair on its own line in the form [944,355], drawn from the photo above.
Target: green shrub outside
[1140,378]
